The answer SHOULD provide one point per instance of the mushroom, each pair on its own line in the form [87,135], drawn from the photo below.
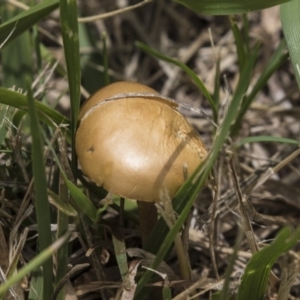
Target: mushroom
[134,142]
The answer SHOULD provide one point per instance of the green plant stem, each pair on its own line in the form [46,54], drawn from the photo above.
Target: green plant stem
[184,266]
[41,196]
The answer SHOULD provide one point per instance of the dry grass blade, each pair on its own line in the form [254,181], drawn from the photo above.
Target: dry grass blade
[289,274]
[66,278]
[113,13]
[244,215]
[214,220]
[168,215]
[271,171]
[128,294]
[266,219]
[191,290]
[8,37]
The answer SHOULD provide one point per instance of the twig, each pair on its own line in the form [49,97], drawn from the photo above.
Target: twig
[275,169]
[273,279]
[266,219]
[247,224]
[189,291]
[67,277]
[10,34]
[113,13]
[169,217]
[290,270]
[217,183]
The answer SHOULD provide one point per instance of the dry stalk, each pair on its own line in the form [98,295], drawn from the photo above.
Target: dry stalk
[290,270]
[113,13]
[273,279]
[213,220]
[169,216]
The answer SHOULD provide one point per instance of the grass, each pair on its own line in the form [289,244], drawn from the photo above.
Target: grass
[243,197]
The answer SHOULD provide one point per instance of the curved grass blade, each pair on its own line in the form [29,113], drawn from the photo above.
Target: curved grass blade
[4,112]
[101,194]
[230,267]
[161,238]
[291,28]
[26,19]
[82,203]
[85,206]
[266,138]
[33,264]
[228,7]
[46,114]
[120,251]
[41,196]
[277,59]
[216,95]
[61,205]
[186,69]
[69,30]
[15,54]
[258,269]
[240,45]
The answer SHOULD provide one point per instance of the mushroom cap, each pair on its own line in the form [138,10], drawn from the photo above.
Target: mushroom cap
[134,147]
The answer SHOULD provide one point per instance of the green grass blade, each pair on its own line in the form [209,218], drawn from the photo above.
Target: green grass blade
[240,45]
[83,203]
[101,194]
[34,264]
[277,59]
[49,57]
[217,85]
[245,32]
[186,69]
[120,250]
[255,278]
[26,19]
[167,294]
[69,30]
[266,138]
[15,54]
[228,7]
[46,114]
[61,205]
[92,79]
[291,28]
[85,206]
[161,238]
[41,197]
[36,284]
[4,110]
[230,267]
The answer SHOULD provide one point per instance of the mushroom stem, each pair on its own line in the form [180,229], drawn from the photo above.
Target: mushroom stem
[147,218]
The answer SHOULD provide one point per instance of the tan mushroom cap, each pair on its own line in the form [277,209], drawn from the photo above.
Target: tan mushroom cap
[135,146]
